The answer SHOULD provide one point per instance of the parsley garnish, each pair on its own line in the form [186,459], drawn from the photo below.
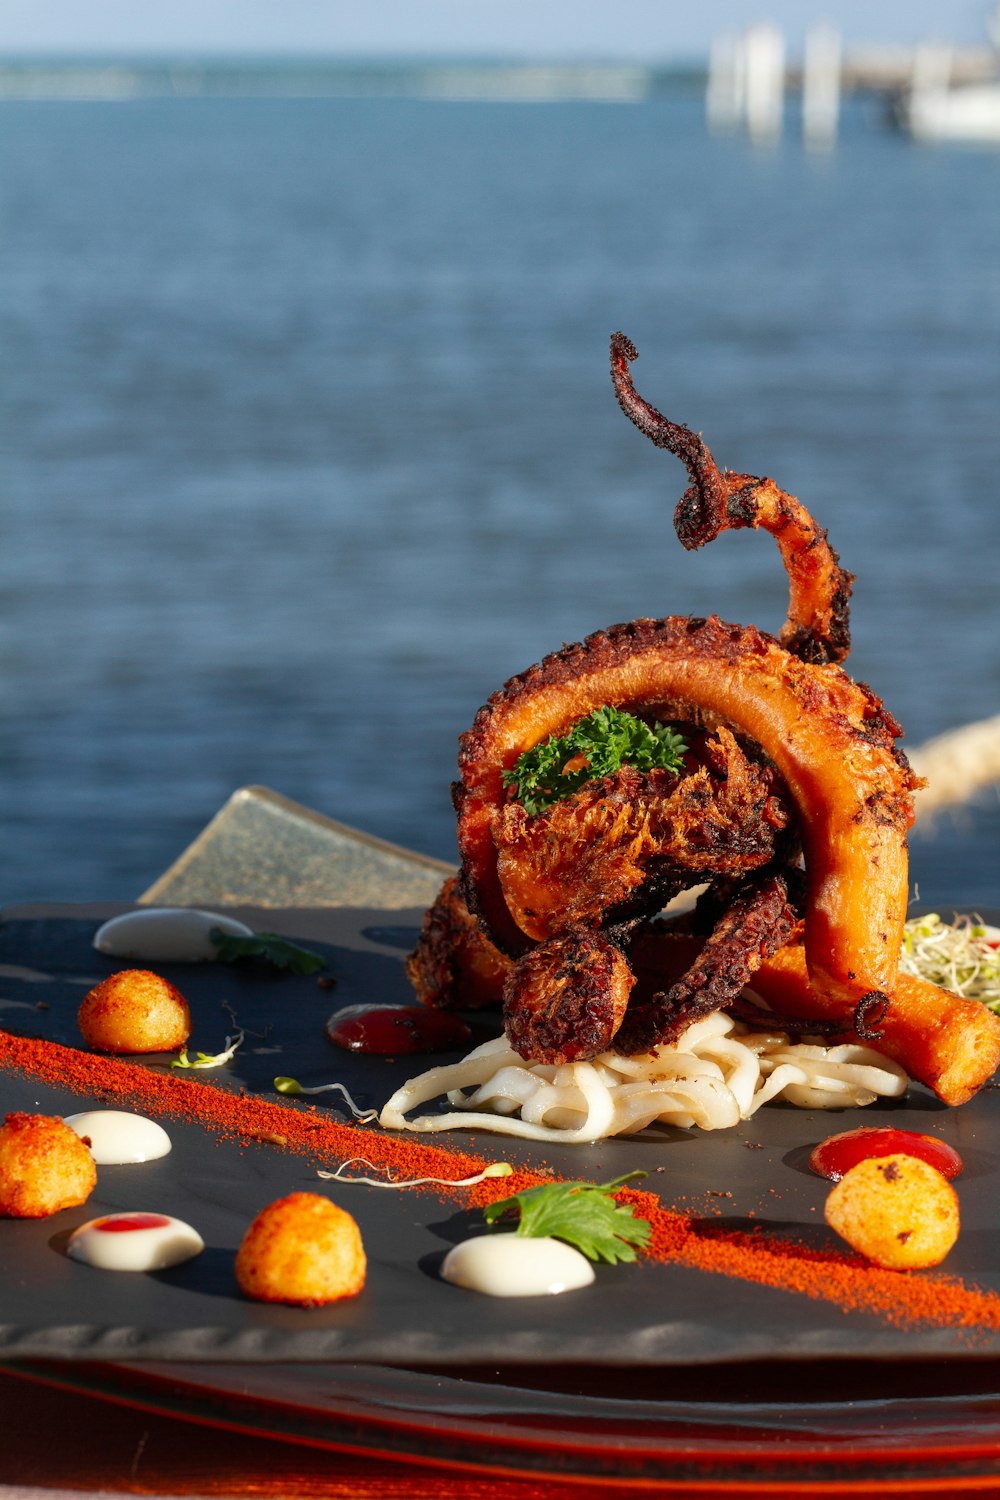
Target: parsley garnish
[604,741]
[583,1214]
[275,950]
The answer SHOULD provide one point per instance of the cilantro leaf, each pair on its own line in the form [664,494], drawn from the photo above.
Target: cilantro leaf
[275,950]
[595,746]
[584,1214]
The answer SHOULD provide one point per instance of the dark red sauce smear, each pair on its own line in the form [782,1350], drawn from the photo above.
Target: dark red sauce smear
[391,1030]
[839,1153]
[122,1222]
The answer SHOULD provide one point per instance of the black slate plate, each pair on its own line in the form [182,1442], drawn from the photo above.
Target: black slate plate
[637,1316]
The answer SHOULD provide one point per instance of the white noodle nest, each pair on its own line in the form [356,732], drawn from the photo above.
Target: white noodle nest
[717,1074]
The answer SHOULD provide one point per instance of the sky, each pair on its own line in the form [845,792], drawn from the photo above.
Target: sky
[650,30]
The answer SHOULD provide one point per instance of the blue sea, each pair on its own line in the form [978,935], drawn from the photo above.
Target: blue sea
[308,438]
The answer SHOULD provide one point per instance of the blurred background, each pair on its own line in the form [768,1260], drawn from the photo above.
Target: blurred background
[308,438]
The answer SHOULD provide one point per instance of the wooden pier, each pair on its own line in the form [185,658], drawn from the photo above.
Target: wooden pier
[749,77]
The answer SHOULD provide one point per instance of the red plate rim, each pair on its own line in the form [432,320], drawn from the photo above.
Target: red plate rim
[412,1416]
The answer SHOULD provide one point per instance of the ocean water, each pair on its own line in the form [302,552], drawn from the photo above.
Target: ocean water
[308,440]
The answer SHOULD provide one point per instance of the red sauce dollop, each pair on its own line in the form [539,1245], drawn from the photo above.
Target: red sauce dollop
[390,1030]
[122,1222]
[839,1153]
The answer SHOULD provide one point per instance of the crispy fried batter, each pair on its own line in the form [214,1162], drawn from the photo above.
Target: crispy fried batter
[304,1250]
[44,1166]
[897,1211]
[134,1010]
[623,845]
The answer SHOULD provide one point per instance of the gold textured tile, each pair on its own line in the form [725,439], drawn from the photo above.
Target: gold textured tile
[261,849]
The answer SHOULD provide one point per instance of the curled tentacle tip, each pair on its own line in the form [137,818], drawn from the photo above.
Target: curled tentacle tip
[622,347]
[869,1015]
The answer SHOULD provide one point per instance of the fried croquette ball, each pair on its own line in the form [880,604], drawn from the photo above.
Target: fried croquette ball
[301,1249]
[134,1011]
[44,1166]
[898,1211]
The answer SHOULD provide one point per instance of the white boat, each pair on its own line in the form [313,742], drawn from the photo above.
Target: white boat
[970,113]
[935,108]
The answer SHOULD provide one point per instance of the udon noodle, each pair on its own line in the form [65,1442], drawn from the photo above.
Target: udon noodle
[717,1074]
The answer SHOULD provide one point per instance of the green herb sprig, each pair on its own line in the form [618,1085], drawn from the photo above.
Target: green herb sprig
[605,740]
[584,1214]
[274,950]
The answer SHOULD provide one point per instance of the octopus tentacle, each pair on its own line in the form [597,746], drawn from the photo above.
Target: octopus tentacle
[817,627]
[950,1042]
[829,738]
[754,926]
[553,903]
[688,446]
[454,965]
[564,1001]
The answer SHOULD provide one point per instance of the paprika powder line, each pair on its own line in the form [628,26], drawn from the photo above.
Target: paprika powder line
[846,1281]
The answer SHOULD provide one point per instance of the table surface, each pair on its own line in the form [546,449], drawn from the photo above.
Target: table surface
[105,1448]
[263,850]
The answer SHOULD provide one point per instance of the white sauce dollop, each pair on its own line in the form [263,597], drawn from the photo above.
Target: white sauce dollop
[165,934]
[115,1136]
[508,1265]
[134,1242]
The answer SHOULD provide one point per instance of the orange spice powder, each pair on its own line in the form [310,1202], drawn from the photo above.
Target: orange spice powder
[845,1281]
[302,1129]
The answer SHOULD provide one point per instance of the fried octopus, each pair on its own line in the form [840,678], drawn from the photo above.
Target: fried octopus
[789,764]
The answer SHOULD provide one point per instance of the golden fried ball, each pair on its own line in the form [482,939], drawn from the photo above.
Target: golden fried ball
[44,1166]
[898,1211]
[301,1249]
[134,1011]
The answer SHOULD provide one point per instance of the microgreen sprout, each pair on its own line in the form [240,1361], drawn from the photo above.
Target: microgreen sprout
[495,1169]
[292,1086]
[206,1059]
[961,955]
